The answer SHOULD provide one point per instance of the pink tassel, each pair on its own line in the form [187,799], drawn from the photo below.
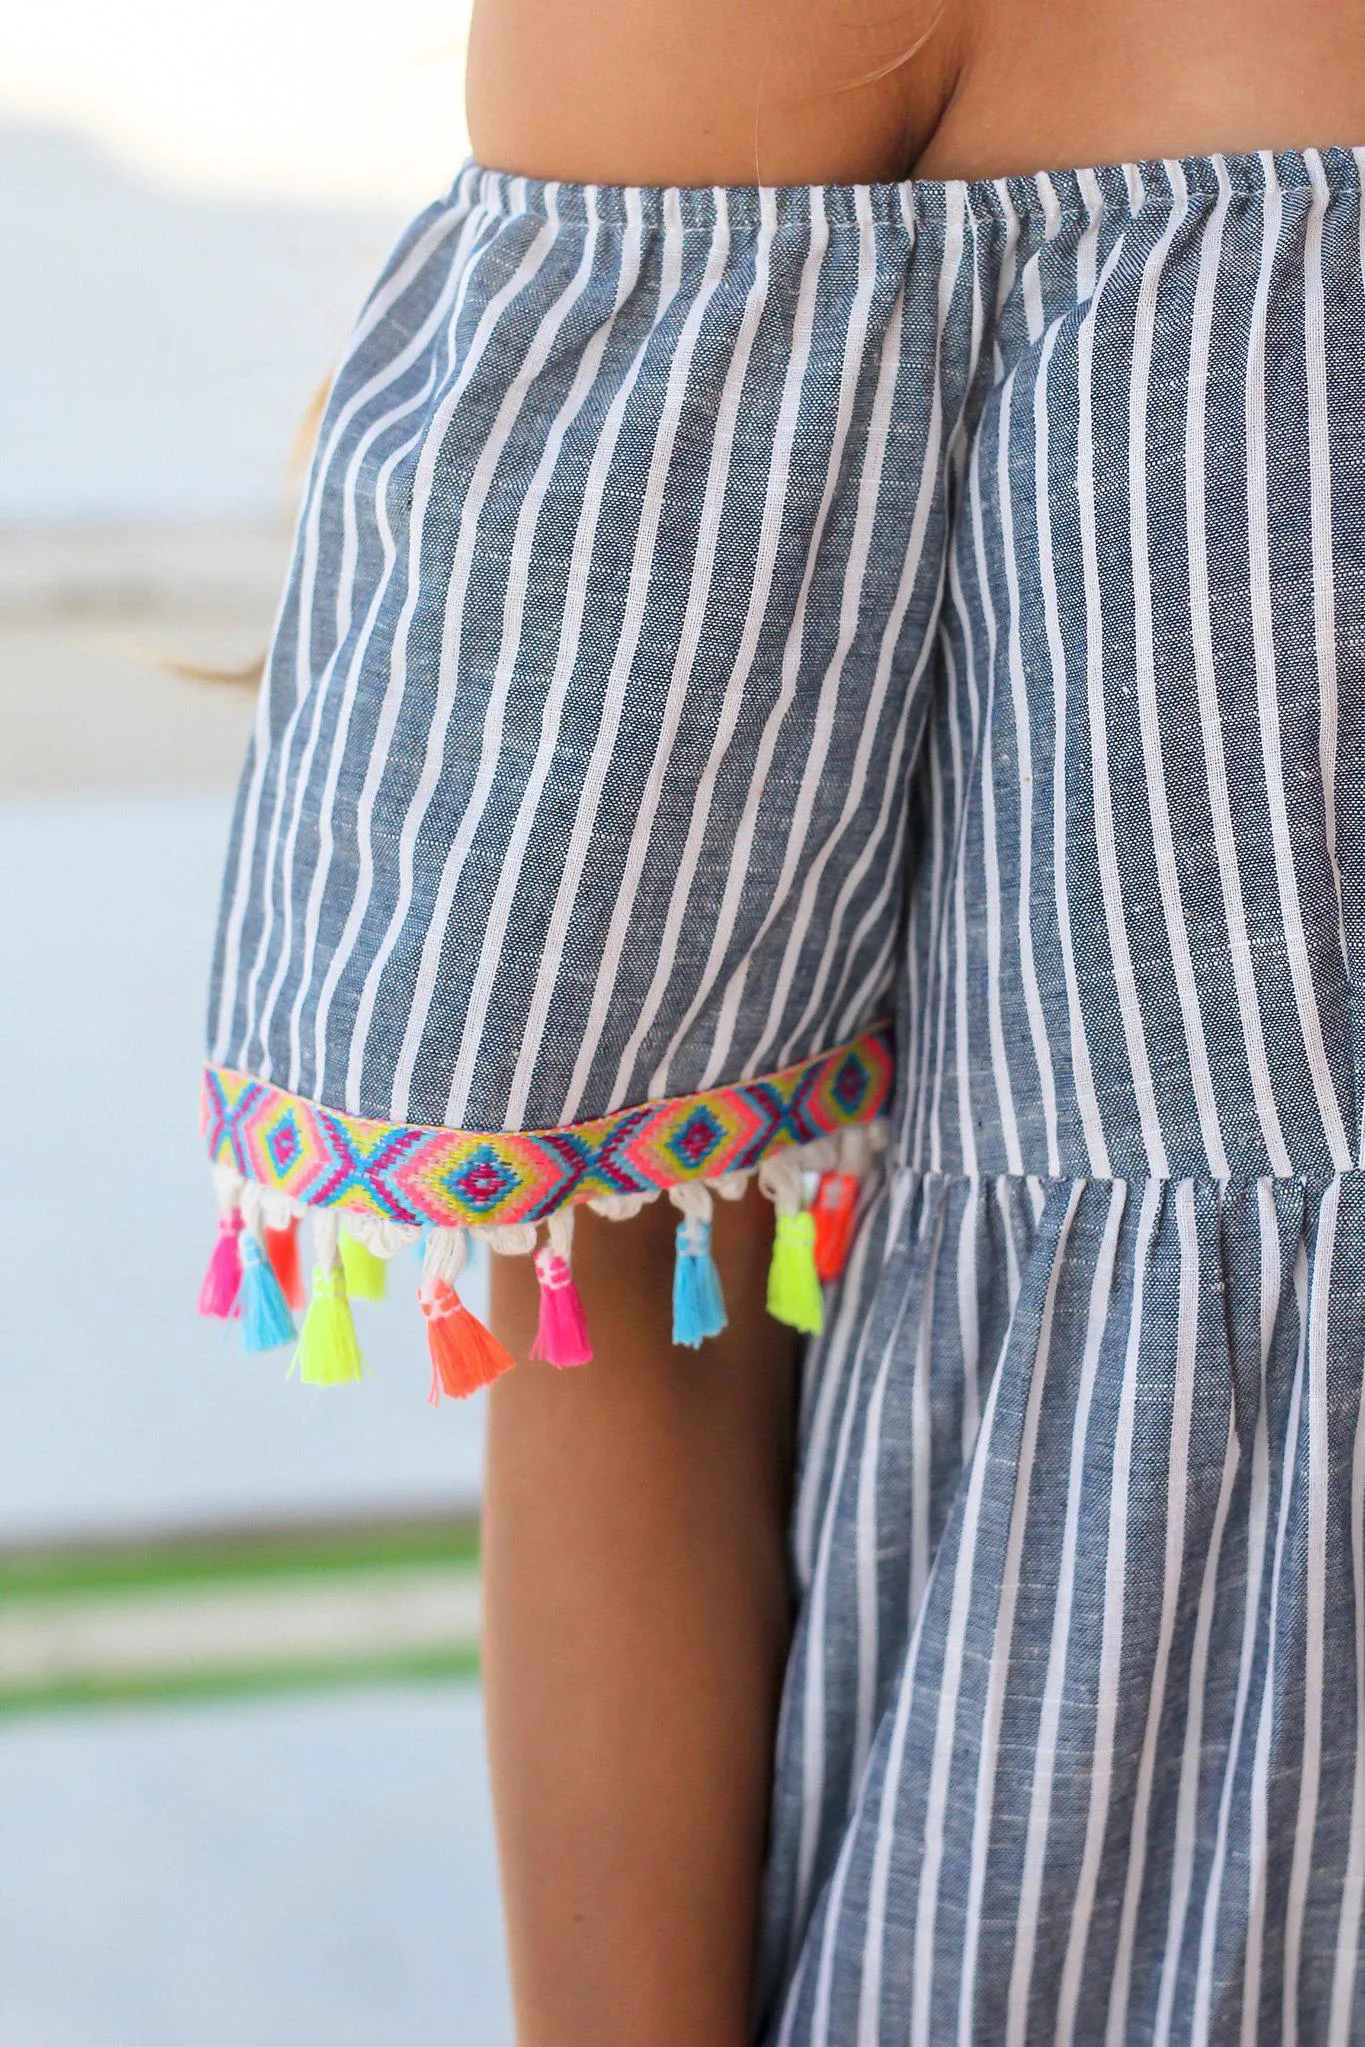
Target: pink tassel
[562,1334]
[221,1293]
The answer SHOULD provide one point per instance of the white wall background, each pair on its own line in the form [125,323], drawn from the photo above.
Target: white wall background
[334,101]
[193,201]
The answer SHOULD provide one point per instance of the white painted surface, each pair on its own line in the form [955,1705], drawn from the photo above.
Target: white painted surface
[322,100]
[182,1630]
[308,1872]
[119,1408]
[169,344]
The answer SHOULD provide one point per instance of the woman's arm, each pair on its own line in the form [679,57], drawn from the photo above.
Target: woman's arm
[637,1614]
[636,1628]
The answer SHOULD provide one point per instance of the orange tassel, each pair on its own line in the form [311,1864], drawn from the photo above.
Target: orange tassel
[282,1249]
[464,1356]
[836,1201]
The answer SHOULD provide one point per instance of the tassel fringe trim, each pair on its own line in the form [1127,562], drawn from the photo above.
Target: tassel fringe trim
[254,1274]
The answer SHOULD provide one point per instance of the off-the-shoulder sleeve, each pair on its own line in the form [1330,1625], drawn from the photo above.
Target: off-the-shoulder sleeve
[569,853]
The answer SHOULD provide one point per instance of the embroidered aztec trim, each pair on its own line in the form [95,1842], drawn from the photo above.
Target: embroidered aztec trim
[373,1189]
[413,1174]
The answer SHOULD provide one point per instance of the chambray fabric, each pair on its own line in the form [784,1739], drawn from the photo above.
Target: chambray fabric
[720,617]
[1073,1736]
[611,605]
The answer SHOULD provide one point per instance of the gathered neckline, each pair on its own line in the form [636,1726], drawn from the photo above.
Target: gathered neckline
[1047,196]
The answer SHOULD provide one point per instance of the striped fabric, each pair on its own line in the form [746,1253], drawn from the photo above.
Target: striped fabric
[579,774]
[720,617]
[1073,1740]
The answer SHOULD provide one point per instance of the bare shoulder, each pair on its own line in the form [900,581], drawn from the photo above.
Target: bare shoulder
[1147,78]
[698,92]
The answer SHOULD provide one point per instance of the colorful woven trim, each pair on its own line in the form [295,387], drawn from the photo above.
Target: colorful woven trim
[413,1174]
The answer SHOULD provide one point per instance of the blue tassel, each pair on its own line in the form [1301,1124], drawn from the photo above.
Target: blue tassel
[266,1320]
[698,1304]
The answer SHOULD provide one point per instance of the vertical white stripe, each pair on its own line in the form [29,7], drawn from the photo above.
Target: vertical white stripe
[1087,248]
[965,361]
[932,1049]
[1315,1605]
[829,1935]
[1087,1102]
[1346,1969]
[1267,692]
[1008,260]
[1258,1513]
[1192,1757]
[946,976]
[870,2033]
[1149,709]
[1013,1279]
[1111,883]
[998,1671]
[1177,1497]
[962,1054]
[1258,1851]
[1320,518]
[867,1550]
[904,1136]
[1206,679]
[968,1318]
[922,1415]
[954,861]
[1031,282]
[867,1555]
[1023,749]
[1009,1123]
[1054,1682]
[1109,1678]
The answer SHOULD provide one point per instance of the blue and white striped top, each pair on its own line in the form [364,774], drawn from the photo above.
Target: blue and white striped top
[721,623]
[648,531]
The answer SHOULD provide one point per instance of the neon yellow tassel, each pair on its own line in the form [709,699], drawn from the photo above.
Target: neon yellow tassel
[794,1295]
[328,1352]
[365,1274]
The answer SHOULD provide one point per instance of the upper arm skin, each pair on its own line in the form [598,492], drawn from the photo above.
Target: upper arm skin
[700,92]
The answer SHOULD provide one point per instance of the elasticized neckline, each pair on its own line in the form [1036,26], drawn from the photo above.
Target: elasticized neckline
[1048,196]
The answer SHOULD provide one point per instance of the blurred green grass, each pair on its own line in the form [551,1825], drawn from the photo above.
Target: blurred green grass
[57,1601]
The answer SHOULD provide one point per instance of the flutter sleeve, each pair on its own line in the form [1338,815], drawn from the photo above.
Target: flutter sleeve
[568,856]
